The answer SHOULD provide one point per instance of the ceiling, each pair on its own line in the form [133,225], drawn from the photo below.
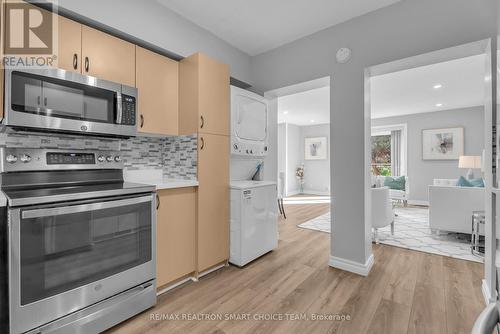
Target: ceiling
[460,82]
[260,25]
[307,108]
[447,85]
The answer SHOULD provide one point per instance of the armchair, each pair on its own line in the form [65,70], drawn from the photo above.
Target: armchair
[382,213]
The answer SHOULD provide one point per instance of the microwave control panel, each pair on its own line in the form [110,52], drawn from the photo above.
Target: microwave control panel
[128,110]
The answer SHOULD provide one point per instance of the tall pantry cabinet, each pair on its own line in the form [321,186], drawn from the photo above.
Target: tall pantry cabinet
[204,105]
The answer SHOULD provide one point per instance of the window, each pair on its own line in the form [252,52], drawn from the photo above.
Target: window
[381,155]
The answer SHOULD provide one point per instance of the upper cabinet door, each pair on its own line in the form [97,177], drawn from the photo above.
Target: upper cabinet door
[107,57]
[214,96]
[157,79]
[204,96]
[69,57]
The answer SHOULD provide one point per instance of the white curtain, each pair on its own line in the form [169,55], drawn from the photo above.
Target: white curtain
[396,152]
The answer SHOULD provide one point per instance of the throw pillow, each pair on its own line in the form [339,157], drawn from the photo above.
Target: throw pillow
[463,182]
[395,183]
[479,183]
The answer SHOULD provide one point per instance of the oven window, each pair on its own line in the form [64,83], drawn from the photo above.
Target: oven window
[63,252]
[59,98]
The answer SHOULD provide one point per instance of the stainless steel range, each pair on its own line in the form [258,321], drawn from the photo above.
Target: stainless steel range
[81,241]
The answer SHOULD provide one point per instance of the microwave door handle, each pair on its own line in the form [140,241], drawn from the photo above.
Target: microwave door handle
[50,212]
[119,108]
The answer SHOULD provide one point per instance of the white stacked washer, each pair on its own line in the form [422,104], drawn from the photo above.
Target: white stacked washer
[254,229]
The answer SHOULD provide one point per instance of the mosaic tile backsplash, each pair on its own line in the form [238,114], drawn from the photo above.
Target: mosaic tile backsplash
[176,156]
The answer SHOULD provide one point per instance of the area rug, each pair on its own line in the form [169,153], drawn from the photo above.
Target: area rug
[411,231]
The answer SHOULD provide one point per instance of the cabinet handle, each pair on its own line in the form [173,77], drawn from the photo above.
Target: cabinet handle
[38,100]
[45,101]
[202,143]
[142,120]
[202,122]
[157,202]
[87,64]
[75,61]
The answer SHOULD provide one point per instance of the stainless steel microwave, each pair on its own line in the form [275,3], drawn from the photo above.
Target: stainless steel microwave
[63,101]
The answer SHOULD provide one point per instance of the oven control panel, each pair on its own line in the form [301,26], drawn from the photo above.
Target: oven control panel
[22,159]
[62,158]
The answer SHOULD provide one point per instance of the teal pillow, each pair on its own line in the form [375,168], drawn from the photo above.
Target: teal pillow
[397,183]
[463,182]
[479,183]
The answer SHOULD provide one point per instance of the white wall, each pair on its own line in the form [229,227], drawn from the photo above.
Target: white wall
[405,29]
[422,172]
[271,160]
[281,155]
[156,24]
[317,172]
[291,154]
[294,158]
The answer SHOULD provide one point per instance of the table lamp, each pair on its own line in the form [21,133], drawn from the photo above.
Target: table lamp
[469,162]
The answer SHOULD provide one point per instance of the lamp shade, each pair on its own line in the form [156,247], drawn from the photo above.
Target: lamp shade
[469,161]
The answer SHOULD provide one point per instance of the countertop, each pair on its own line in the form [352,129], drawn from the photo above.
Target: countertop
[155,177]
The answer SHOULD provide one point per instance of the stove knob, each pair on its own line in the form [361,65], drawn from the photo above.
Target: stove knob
[25,158]
[11,158]
[118,158]
[100,158]
[109,158]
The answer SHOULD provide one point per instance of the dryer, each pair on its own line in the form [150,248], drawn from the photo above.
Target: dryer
[249,123]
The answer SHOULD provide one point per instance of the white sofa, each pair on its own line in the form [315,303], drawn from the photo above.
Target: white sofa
[451,207]
[395,195]
[382,212]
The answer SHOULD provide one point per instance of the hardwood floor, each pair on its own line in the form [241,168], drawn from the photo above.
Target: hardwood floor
[406,292]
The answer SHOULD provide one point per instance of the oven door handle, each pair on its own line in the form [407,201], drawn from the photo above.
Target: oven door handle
[64,210]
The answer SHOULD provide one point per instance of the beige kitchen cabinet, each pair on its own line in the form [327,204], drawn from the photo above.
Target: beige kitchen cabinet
[157,79]
[204,95]
[175,240]
[69,56]
[107,57]
[213,201]
[69,42]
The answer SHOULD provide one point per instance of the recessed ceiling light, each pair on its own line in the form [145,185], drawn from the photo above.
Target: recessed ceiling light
[285,112]
[437,86]
[439,104]
[487,78]
[312,120]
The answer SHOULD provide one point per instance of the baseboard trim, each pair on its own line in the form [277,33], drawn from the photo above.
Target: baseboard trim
[418,202]
[292,193]
[211,270]
[351,266]
[174,285]
[316,192]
